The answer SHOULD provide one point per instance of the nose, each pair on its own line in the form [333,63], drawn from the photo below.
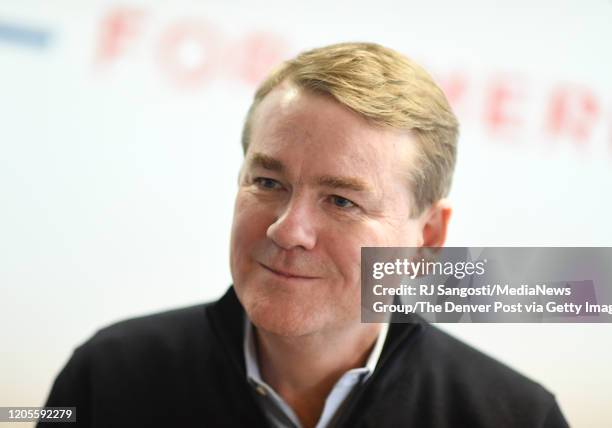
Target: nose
[294,226]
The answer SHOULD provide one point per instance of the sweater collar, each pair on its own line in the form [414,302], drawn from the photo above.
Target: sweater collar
[227,318]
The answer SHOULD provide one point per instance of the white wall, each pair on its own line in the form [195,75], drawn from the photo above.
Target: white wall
[119,151]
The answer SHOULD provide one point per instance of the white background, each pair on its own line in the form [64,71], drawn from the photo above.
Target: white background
[118,170]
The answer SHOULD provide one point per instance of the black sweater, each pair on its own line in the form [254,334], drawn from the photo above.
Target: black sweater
[185,368]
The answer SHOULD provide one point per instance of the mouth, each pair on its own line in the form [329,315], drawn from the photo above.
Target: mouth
[285,274]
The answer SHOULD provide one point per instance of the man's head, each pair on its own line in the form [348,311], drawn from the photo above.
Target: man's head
[346,146]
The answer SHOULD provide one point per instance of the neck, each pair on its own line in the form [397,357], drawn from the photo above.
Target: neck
[304,369]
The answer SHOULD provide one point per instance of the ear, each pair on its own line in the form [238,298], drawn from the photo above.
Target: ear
[435,223]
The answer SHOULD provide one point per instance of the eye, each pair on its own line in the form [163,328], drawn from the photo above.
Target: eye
[341,202]
[267,183]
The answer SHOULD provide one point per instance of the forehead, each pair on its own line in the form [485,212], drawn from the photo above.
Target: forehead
[318,134]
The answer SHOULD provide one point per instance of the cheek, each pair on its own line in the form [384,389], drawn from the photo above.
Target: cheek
[346,254]
[250,217]
[347,249]
[249,227]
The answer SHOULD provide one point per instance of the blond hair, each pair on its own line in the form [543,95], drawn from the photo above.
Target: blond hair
[389,90]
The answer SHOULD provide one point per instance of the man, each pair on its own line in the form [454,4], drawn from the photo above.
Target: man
[345,146]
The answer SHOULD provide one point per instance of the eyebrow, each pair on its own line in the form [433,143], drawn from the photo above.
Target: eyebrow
[335,182]
[267,162]
[343,183]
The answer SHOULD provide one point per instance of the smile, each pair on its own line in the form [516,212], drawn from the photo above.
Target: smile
[284,274]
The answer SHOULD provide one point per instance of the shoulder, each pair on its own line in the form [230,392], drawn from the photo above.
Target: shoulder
[170,338]
[172,328]
[198,331]
[173,340]
[467,366]
[158,370]
[447,381]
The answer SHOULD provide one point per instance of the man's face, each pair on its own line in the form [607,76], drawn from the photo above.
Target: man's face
[318,183]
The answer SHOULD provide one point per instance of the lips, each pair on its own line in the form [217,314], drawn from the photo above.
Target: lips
[286,274]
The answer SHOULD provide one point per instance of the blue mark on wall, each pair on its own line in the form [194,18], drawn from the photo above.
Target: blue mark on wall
[25,36]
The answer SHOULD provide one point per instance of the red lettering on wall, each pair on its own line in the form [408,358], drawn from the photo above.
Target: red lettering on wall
[189,52]
[573,112]
[500,112]
[118,27]
[256,55]
[193,52]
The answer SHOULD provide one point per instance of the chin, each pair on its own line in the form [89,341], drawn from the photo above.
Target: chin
[283,325]
[283,317]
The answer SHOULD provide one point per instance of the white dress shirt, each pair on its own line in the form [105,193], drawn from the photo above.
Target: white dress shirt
[278,411]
